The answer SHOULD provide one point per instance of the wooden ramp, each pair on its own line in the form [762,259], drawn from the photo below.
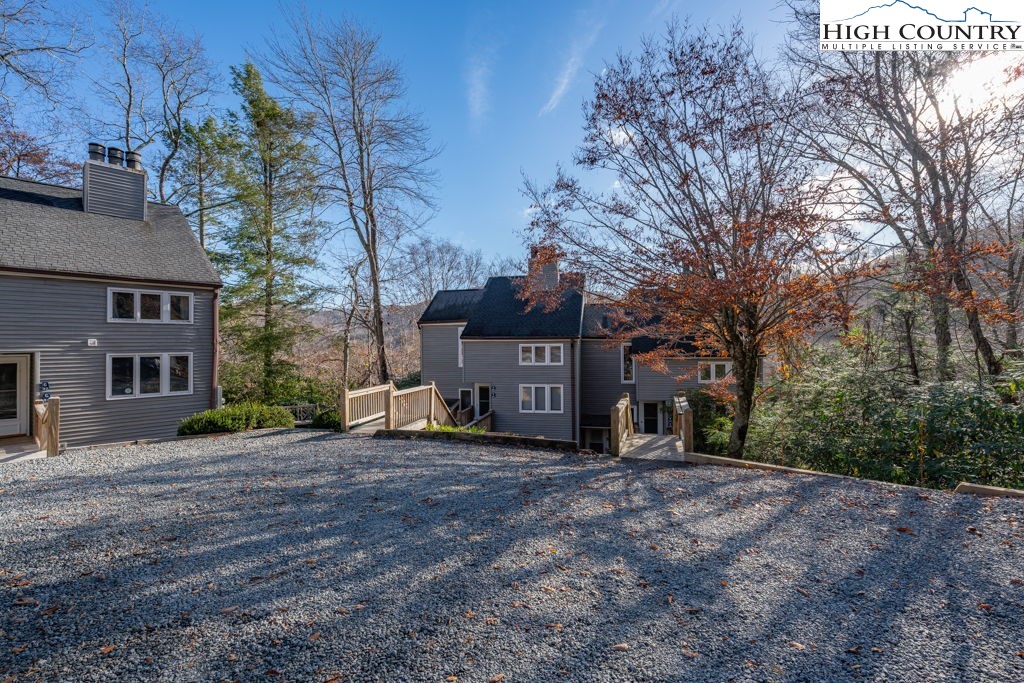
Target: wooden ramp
[653,447]
[364,411]
[19,448]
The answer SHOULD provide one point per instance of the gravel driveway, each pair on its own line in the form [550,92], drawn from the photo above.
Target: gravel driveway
[310,556]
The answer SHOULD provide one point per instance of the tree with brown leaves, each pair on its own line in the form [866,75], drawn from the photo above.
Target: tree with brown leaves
[713,233]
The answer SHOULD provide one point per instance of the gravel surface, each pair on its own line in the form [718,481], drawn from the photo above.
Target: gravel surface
[310,556]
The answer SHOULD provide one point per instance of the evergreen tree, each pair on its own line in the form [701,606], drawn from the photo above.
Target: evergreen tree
[272,237]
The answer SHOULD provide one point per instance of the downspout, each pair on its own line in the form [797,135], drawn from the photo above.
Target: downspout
[578,370]
[215,373]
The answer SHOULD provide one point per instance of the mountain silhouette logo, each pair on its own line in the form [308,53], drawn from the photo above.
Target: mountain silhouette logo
[970,14]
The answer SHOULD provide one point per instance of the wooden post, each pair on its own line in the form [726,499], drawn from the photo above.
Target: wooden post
[389,406]
[688,430]
[432,398]
[343,411]
[53,411]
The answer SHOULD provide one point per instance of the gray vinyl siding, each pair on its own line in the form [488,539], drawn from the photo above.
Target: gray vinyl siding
[497,363]
[439,358]
[661,386]
[601,379]
[114,191]
[53,319]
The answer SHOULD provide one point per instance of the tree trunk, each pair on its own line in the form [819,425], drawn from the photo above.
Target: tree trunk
[745,373]
[908,331]
[377,321]
[981,343]
[943,338]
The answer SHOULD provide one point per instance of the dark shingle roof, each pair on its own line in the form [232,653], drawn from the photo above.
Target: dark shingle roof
[43,228]
[600,320]
[451,305]
[501,314]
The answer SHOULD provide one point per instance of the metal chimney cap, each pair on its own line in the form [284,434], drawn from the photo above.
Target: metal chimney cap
[115,156]
[97,152]
[133,160]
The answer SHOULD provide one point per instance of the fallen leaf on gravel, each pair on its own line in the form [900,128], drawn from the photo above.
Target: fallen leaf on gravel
[21,648]
[905,530]
[273,672]
[621,647]
[854,650]
[232,657]
[315,636]
[797,646]
[983,605]
[556,627]
[803,592]
[229,610]
[22,602]
[470,614]
[50,610]
[876,649]
[689,653]
[1021,653]
[451,679]
[725,583]
[497,678]
[107,649]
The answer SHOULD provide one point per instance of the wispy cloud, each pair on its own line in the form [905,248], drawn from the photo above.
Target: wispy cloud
[573,63]
[478,87]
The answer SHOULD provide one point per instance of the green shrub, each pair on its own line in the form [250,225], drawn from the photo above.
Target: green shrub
[449,428]
[238,417]
[839,417]
[710,418]
[327,420]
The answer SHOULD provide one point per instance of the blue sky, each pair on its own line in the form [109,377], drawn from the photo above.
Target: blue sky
[499,84]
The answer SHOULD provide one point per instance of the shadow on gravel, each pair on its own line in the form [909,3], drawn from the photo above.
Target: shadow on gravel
[306,556]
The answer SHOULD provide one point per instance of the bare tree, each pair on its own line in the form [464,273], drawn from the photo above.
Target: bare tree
[431,264]
[916,159]
[373,154]
[160,80]
[37,48]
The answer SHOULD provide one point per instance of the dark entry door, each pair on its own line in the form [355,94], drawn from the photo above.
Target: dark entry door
[483,399]
[650,425]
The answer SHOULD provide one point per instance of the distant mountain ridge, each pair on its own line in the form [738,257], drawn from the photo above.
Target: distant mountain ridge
[908,5]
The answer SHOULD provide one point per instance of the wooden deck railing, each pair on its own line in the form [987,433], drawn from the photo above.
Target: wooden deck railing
[46,425]
[682,422]
[303,412]
[398,408]
[621,425]
[464,416]
[486,421]
[364,405]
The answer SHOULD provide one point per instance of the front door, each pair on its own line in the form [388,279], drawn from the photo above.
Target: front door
[14,384]
[650,418]
[483,400]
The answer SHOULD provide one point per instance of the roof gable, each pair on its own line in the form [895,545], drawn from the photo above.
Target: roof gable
[501,314]
[43,228]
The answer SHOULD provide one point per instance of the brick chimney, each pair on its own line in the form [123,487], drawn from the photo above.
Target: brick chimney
[543,269]
[111,188]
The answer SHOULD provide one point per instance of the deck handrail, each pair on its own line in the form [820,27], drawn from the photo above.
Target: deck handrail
[621,425]
[46,425]
[682,423]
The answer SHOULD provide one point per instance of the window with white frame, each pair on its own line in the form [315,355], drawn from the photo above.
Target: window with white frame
[713,371]
[458,335]
[540,398]
[540,354]
[149,306]
[143,375]
[628,364]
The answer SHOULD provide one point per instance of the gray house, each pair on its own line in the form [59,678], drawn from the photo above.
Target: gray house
[107,301]
[555,373]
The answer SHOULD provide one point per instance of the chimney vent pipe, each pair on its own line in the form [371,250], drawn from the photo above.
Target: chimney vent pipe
[97,152]
[133,160]
[115,156]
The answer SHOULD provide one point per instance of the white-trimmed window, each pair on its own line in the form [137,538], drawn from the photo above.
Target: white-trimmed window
[149,306]
[713,371]
[540,398]
[627,363]
[142,375]
[458,335]
[540,354]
